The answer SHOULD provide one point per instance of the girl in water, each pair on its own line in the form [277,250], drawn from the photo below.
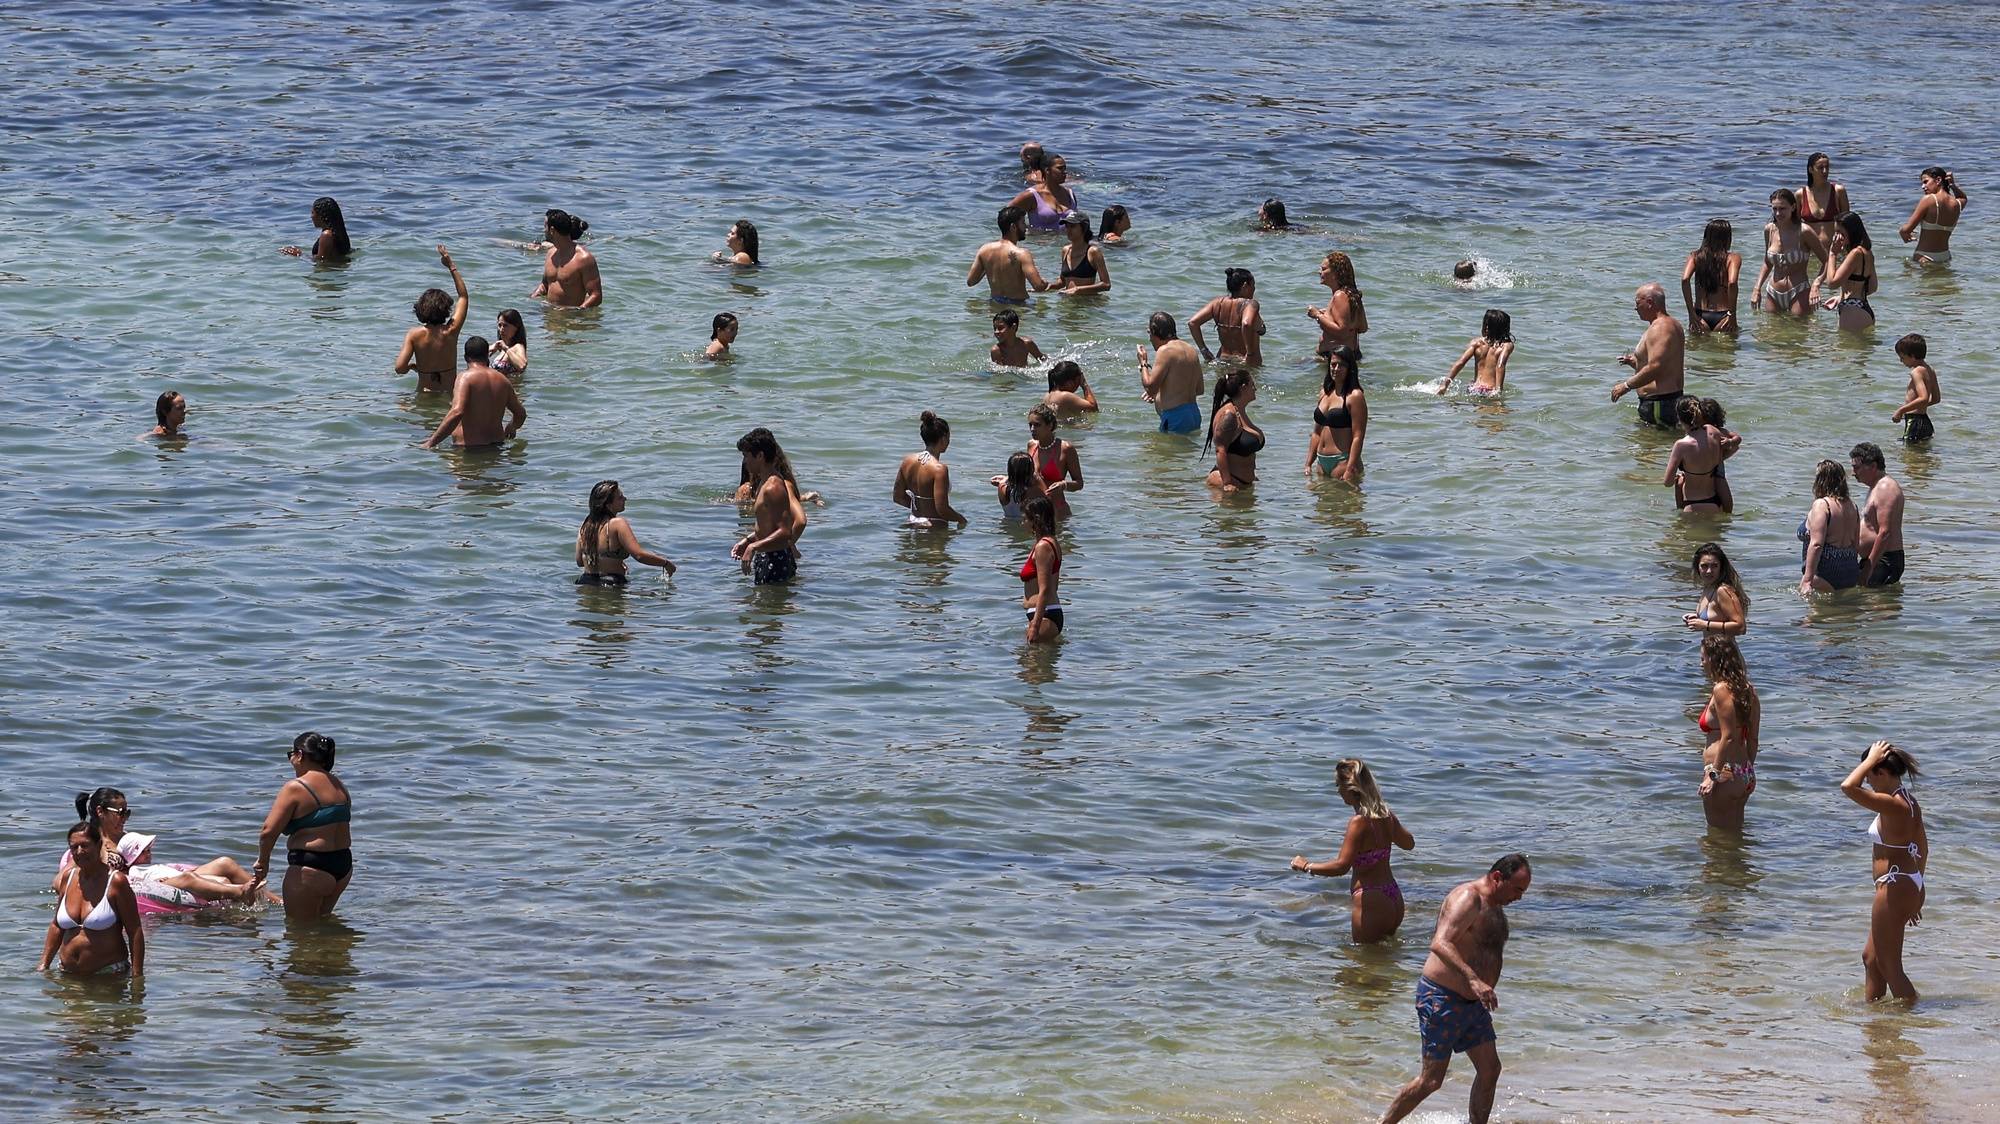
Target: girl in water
[1340,418]
[1782,285]
[313,810]
[1899,850]
[1083,268]
[171,410]
[1709,281]
[1055,459]
[1344,319]
[1831,532]
[923,483]
[1239,321]
[742,243]
[1935,217]
[1821,200]
[1111,227]
[605,540]
[1728,441]
[1724,609]
[1490,351]
[1046,202]
[96,927]
[721,333]
[1364,850]
[1692,464]
[1069,393]
[1018,485]
[1731,720]
[1041,573]
[1856,274]
[1271,216]
[1236,440]
[332,243]
[509,353]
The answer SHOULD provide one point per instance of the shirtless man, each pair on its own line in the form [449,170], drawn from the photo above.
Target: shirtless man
[1239,322]
[1007,266]
[1881,517]
[1659,367]
[1455,995]
[1172,378]
[431,348]
[769,553]
[569,273]
[481,395]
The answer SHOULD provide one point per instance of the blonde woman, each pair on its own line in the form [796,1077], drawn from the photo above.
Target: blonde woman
[1343,319]
[1377,900]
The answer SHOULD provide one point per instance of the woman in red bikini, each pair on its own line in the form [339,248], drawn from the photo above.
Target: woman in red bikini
[1731,718]
[1821,200]
[1055,459]
[1377,900]
[1041,573]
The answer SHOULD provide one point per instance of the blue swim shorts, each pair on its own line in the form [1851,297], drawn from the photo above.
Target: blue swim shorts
[1448,1022]
[1184,418]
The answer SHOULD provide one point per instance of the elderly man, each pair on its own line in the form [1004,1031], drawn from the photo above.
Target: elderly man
[1659,362]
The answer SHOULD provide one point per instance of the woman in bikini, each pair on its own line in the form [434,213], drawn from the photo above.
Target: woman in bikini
[1377,900]
[1935,217]
[1692,464]
[1821,200]
[1709,281]
[1237,441]
[1042,573]
[1340,418]
[1239,322]
[605,540]
[1113,224]
[312,809]
[431,348]
[1899,849]
[96,927]
[1724,609]
[1488,352]
[509,354]
[332,243]
[1782,285]
[1343,319]
[1055,459]
[1018,485]
[1855,275]
[1831,532]
[1046,202]
[1731,720]
[923,483]
[1083,268]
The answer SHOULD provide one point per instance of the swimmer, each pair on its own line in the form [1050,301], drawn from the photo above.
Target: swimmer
[1376,910]
[1113,224]
[1340,418]
[478,399]
[1831,532]
[721,333]
[1821,200]
[1881,546]
[1709,281]
[1032,157]
[1271,216]
[1488,352]
[1921,394]
[569,273]
[1658,362]
[509,351]
[96,927]
[1713,415]
[1237,441]
[171,410]
[1731,720]
[1781,282]
[1172,378]
[1010,347]
[1018,485]
[1055,459]
[1044,203]
[923,482]
[1083,268]
[605,540]
[1239,321]
[769,552]
[431,348]
[1464,271]
[1041,573]
[1007,267]
[332,243]
[1692,463]
[312,810]
[1724,609]
[1935,217]
[742,243]
[1856,274]
[1068,392]
[1344,319]
[1899,850]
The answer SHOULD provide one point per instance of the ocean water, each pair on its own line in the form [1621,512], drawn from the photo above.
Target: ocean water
[849,850]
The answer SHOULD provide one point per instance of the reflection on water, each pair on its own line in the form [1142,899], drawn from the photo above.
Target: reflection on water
[478,470]
[1916,464]
[1038,661]
[316,981]
[1725,902]
[1369,977]
[1895,1067]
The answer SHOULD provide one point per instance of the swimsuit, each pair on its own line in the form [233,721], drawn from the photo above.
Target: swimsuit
[1895,873]
[1860,301]
[1937,257]
[1840,566]
[338,863]
[1082,270]
[1248,441]
[768,567]
[1917,428]
[916,521]
[996,298]
[1047,216]
[1330,461]
[1713,317]
[1371,858]
[1448,1022]
[1780,262]
[1184,418]
[1714,496]
[1888,568]
[1658,409]
[1029,575]
[604,579]
[102,916]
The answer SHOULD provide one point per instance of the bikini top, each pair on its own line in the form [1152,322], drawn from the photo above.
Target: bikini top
[103,915]
[1051,470]
[1248,441]
[1806,205]
[1779,260]
[1082,270]
[322,814]
[1370,858]
[1028,571]
[1340,417]
[1875,829]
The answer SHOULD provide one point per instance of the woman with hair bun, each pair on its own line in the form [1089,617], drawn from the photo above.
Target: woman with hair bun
[1899,850]
[1364,851]
[106,810]
[605,540]
[1731,720]
[332,243]
[1239,321]
[1236,439]
[313,809]
[923,483]
[569,272]
[1935,217]
[431,348]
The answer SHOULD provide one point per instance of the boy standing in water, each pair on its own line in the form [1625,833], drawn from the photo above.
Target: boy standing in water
[1010,347]
[1923,392]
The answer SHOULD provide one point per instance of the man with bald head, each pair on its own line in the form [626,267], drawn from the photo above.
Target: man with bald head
[1659,362]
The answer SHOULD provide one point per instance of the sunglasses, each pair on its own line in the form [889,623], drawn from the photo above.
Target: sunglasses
[125,811]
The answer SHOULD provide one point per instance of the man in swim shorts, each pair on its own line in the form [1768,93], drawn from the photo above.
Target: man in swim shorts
[768,553]
[1455,998]
[1659,368]
[1172,377]
[1881,517]
[1006,265]
[479,397]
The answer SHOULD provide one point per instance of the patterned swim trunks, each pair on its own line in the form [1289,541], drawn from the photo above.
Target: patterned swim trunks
[1448,1022]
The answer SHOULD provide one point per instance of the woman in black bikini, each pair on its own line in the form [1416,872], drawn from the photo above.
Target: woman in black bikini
[606,540]
[1692,464]
[1083,268]
[1236,440]
[313,809]
[1709,281]
[1340,418]
[1239,323]
[1855,274]
[1378,902]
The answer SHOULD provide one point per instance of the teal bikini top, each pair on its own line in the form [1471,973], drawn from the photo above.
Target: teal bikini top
[320,816]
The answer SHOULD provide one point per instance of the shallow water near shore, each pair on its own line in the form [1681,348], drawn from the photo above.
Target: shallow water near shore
[848,850]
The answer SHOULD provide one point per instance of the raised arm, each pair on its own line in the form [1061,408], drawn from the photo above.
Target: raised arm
[464,303]
[1860,793]
[1150,377]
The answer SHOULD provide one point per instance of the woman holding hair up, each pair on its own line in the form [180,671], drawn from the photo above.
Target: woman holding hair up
[1900,850]
[1935,217]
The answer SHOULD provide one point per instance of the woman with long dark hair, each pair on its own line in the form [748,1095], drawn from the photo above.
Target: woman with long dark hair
[1239,321]
[1935,217]
[923,482]
[106,810]
[332,243]
[1340,418]
[170,409]
[1899,850]
[1724,609]
[1047,200]
[1018,485]
[1709,280]
[605,540]
[1236,439]
[1692,463]
[312,809]
[1731,720]
[1855,275]
[1041,573]
[742,242]
[1821,200]
[1083,268]
[1377,908]
[509,353]
[96,929]
[1113,224]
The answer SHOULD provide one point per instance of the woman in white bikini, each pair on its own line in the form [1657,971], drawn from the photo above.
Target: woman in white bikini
[1936,217]
[923,483]
[1782,285]
[96,927]
[1899,850]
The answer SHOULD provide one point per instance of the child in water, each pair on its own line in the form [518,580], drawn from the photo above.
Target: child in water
[1462,273]
[1010,347]
[721,333]
[1493,347]
[1923,392]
